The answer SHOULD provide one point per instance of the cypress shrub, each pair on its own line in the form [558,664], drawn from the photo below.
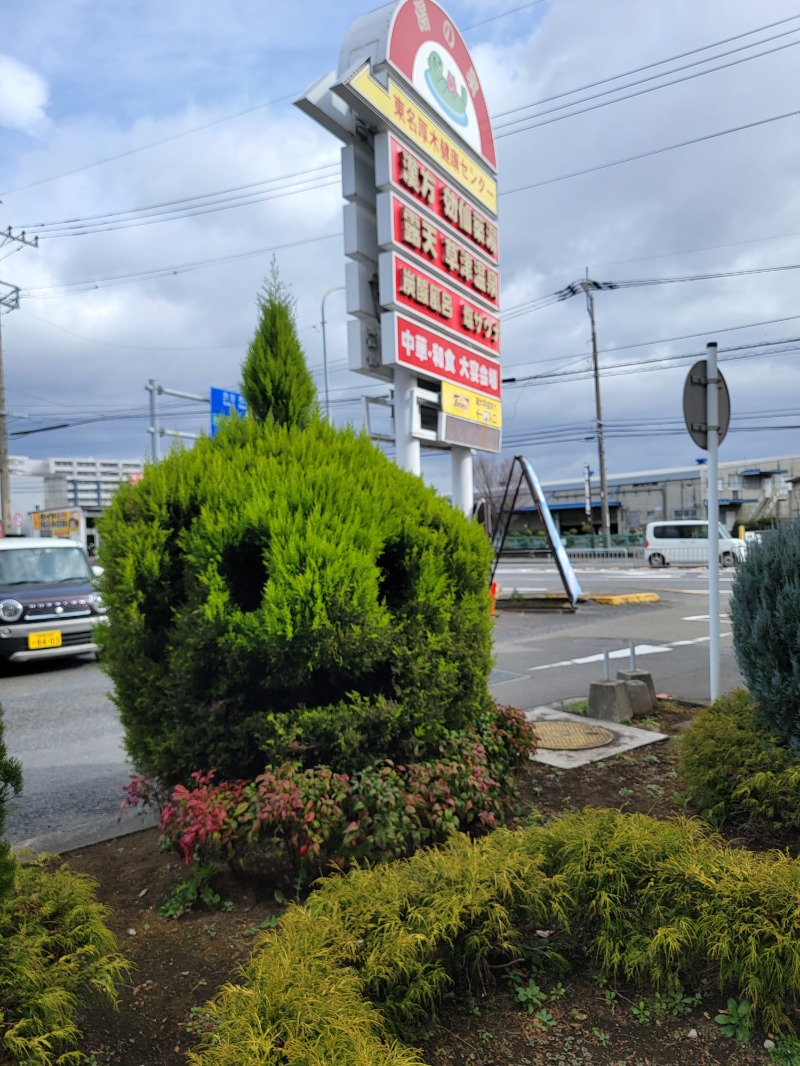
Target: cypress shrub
[275,380]
[10,782]
[765,616]
[275,589]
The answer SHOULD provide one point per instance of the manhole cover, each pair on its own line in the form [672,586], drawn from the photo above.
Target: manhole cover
[571,736]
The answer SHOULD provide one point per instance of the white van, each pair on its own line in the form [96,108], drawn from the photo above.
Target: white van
[686,541]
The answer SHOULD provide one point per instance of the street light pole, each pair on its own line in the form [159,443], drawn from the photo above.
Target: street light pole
[335,288]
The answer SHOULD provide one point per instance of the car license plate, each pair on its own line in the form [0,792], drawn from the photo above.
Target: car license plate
[48,638]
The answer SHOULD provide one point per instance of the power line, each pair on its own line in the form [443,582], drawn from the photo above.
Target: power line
[310,174]
[70,227]
[662,340]
[519,310]
[652,152]
[75,287]
[648,66]
[532,121]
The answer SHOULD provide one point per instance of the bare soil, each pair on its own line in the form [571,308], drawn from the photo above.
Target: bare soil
[180,963]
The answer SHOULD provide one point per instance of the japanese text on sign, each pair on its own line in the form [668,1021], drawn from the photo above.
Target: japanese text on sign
[438,357]
[420,235]
[407,173]
[405,115]
[415,290]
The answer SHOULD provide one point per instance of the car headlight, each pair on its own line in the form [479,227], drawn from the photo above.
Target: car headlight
[97,603]
[10,610]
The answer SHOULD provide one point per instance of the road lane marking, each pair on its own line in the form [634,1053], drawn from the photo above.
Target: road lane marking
[703,618]
[623,653]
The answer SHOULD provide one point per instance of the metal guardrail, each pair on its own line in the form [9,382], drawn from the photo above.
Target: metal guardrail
[576,553]
[599,553]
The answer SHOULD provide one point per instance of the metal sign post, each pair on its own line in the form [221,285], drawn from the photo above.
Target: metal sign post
[712,429]
[707,411]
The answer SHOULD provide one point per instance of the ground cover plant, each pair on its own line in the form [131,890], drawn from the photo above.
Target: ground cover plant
[506,1017]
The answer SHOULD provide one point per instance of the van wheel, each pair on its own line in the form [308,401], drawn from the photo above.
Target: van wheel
[657,561]
[727,559]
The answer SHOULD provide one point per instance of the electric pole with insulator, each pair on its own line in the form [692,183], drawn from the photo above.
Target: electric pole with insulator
[9,301]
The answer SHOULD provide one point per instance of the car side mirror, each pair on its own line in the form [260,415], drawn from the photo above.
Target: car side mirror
[97,571]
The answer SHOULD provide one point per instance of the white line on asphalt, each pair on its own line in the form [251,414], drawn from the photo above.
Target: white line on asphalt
[623,653]
[702,618]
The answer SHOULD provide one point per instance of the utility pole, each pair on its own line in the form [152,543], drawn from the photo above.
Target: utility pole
[9,301]
[588,287]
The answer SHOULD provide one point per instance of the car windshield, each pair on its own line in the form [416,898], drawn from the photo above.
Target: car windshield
[43,566]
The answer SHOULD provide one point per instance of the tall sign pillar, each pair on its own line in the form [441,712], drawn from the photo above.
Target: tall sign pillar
[420,222]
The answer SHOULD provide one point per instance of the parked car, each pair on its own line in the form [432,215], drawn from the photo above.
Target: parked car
[686,541]
[49,602]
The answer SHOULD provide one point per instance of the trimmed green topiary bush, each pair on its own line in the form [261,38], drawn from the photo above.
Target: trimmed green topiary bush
[765,616]
[284,595]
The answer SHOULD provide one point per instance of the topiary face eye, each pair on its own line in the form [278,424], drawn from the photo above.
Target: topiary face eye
[244,572]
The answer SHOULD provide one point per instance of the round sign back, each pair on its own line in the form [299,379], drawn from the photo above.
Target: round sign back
[695,410]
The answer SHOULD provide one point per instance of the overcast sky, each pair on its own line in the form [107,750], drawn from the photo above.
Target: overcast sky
[156,150]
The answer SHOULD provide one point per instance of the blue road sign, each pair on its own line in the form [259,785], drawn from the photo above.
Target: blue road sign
[223,402]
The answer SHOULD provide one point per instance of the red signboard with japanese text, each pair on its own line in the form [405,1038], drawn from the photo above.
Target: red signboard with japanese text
[396,165]
[401,225]
[420,178]
[413,345]
[403,285]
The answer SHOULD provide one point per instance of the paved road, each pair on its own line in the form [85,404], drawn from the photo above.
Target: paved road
[61,724]
[546,655]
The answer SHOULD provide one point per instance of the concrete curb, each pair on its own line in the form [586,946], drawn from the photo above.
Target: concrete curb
[557,599]
[626,597]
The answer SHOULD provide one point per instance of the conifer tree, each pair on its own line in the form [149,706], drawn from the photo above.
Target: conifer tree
[275,380]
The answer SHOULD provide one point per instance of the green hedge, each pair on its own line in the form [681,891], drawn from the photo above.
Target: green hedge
[281,594]
[737,770]
[368,957]
[310,819]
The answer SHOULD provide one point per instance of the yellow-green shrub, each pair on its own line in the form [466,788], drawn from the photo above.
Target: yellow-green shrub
[737,769]
[55,951]
[657,903]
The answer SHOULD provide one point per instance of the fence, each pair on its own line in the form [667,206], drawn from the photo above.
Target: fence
[578,546]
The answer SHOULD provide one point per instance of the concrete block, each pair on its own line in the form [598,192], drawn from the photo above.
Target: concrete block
[639,695]
[641,675]
[609,701]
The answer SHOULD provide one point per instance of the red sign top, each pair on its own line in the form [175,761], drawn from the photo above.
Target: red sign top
[427,49]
